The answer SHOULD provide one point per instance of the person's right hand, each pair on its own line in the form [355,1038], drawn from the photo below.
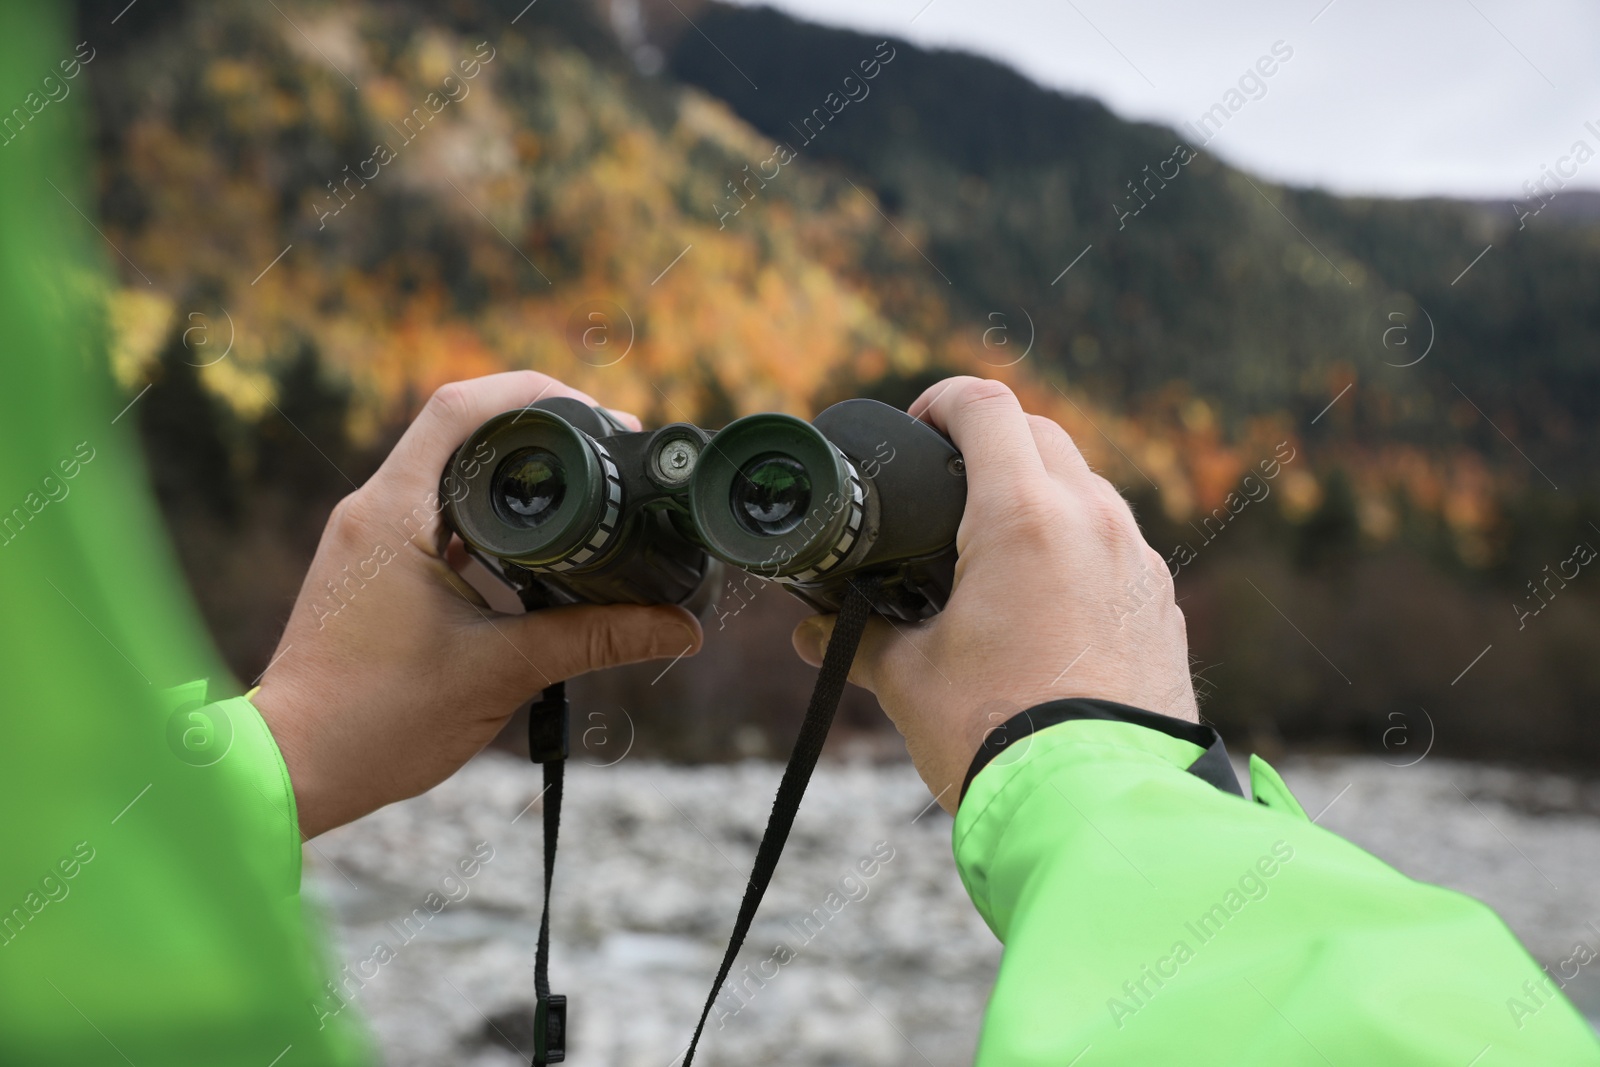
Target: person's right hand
[393,671]
[1056,595]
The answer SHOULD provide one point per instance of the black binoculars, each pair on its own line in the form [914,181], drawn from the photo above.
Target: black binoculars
[570,506]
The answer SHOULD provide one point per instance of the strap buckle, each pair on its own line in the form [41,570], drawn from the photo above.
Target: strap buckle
[550,1029]
[548,730]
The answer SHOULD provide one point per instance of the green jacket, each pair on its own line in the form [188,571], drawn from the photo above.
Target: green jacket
[149,856]
[1151,915]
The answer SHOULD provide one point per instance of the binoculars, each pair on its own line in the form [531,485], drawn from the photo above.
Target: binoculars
[569,506]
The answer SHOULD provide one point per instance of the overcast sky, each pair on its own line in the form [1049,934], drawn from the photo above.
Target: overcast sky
[1401,97]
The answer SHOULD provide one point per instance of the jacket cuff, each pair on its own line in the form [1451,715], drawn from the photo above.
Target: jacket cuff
[1007,826]
[276,817]
[230,739]
[1010,737]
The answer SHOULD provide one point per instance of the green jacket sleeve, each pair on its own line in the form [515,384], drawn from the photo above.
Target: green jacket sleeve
[231,736]
[1151,917]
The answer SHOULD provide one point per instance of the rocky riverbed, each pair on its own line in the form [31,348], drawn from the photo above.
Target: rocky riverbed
[654,859]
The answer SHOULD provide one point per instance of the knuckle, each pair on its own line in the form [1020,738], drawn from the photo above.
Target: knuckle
[1110,495]
[1157,565]
[1052,437]
[1037,517]
[349,515]
[1047,426]
[1109,516]
[604,645]
[449,401]
[982,393]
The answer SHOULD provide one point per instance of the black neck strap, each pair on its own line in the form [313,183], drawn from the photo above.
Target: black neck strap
[825,696]
[548,746]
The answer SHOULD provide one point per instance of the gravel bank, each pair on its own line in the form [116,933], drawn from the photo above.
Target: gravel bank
[653,863]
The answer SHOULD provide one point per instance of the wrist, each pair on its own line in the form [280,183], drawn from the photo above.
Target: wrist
[287,721]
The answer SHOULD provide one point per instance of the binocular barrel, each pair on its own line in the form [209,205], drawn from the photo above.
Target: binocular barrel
[571,506]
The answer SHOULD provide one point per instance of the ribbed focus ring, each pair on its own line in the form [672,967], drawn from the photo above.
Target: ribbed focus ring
[607,526]
[847,539]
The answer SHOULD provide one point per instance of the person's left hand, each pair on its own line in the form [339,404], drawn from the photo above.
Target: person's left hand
[393,671]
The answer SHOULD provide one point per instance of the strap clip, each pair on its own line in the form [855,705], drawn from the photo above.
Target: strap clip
[548,731]
[550,1029]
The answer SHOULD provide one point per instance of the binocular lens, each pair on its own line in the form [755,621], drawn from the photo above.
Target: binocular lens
[529,486]
[770,495]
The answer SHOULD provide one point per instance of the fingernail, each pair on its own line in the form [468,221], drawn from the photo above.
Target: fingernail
[676,640]
[812,639]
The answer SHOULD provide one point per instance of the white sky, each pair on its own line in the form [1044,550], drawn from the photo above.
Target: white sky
[1399,97]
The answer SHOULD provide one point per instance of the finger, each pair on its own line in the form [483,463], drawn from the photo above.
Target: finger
[869,669]
[456,555]
[454,411]
[472,578]
[627,418]
[920,405]
[559,643]
[985,421]
[452,574]
[1059,452]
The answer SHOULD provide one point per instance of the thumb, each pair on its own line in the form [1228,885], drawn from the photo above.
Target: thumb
[560,643]
[869,670]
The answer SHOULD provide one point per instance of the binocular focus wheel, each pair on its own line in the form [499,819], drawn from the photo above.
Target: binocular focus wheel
[852,529]
[607,525]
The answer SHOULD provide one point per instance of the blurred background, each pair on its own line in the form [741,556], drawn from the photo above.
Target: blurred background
[1316,285]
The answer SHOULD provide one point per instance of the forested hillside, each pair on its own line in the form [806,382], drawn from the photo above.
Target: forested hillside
[318,212]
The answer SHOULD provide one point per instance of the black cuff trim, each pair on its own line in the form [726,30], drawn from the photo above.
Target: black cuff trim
[1212,766]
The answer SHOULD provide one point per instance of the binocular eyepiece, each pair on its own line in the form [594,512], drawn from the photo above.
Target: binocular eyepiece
[570,506]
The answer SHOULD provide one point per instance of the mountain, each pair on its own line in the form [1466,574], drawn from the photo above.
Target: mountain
[315,213]
[1259,298]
